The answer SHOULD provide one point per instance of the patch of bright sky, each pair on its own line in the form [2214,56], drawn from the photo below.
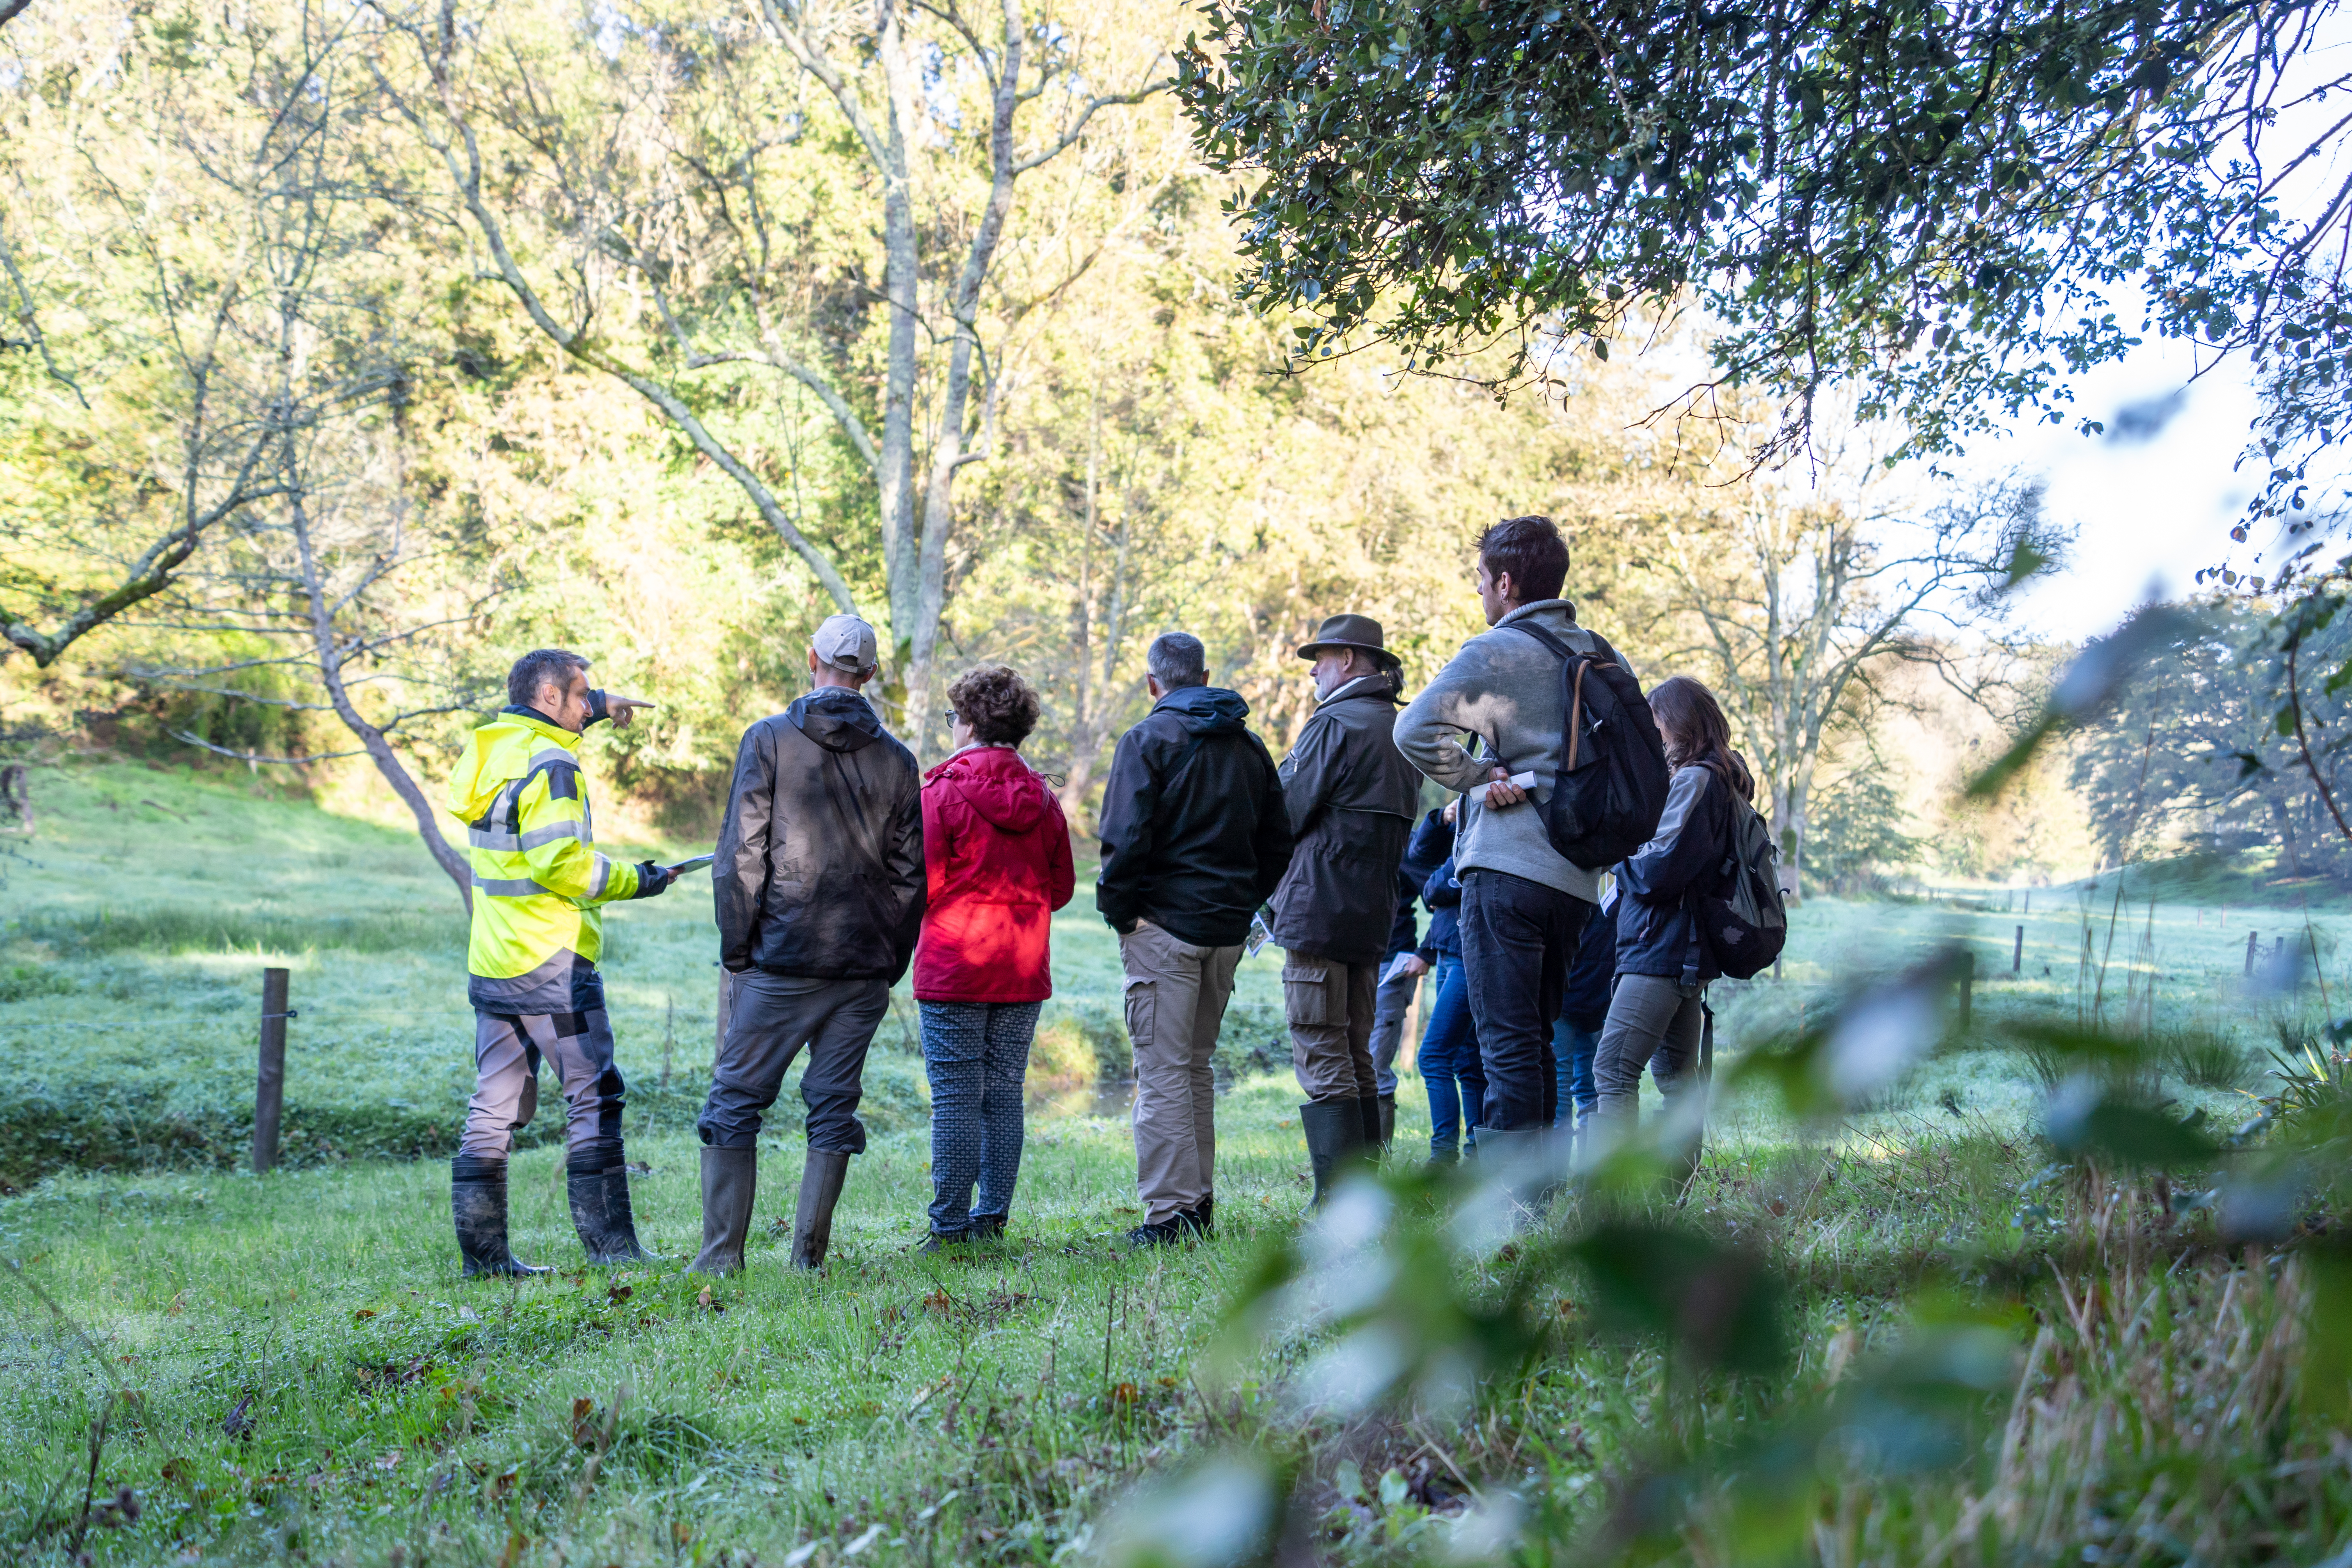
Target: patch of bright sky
[2155,497]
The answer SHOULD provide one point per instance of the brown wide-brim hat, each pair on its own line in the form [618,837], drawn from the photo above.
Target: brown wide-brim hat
[1349,631]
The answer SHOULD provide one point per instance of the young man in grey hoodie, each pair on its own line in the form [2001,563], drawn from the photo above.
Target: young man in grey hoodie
[1494,711]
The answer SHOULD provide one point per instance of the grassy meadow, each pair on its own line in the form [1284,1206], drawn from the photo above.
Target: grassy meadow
[208,1366]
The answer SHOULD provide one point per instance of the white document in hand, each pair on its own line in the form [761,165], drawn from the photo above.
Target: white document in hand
[1524,781]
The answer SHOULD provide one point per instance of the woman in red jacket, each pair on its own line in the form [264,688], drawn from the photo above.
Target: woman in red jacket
[998,855]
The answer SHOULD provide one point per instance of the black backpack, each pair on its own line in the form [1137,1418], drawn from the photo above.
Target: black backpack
[1612,787]
[1746,924]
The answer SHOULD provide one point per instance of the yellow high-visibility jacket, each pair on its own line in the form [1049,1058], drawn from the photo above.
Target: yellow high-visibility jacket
[537,878]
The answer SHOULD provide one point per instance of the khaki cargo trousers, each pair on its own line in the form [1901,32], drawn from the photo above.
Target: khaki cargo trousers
[1176,996]
[1331,1007]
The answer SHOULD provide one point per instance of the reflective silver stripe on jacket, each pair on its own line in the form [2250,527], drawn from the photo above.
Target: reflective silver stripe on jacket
[603,875]
[490,839]
[509,886]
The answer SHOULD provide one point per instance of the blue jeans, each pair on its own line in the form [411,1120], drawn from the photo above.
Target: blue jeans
[1449,1065]
[1573,1047]
[976,1054]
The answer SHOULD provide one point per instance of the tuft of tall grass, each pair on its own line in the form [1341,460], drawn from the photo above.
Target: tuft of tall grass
[2205,1058]
[168,928]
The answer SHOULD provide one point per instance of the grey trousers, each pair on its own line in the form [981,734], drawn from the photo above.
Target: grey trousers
[1176,996]
[507,1051]
[771,1017]
[1330,1004]
[1389,1006]
[1652,1023]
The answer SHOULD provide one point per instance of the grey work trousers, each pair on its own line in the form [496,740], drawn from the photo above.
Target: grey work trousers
[1393,1001]
[507,1051]
[1330,1006]
[1653,1022]
[770,1018]
[1176,996]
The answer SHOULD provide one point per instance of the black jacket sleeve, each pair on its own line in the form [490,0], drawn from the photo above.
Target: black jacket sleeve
[1130,800]
[1685,849]
[1275,841]
[910,876]
[739,871]
[1443,891]
[1431,845]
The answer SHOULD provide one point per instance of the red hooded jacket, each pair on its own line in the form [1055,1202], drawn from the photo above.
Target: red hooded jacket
[998,855]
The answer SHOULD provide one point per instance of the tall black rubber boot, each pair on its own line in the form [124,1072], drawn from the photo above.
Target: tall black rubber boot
[820,1181]
[597,1182]
[478,1201]
[730,1179]
[1334,1134]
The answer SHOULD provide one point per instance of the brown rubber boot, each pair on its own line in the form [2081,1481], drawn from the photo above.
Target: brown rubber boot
[731,1178]
[820,1181]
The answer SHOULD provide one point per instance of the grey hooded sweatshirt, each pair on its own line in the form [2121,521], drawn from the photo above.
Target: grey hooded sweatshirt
[1501,697]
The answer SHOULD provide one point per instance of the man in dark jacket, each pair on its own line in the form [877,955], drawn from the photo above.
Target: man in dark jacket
[1351,796]
[820,883]
[1193,839]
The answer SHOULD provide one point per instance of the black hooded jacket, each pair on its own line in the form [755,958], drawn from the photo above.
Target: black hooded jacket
[820,861]
[1195,835]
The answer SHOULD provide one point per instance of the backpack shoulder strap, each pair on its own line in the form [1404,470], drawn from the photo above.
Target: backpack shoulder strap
[1561,650]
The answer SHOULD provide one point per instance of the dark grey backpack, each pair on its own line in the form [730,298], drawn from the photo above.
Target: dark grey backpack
[1746,923]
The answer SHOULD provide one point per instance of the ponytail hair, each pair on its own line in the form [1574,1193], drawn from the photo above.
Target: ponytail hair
[1691,722]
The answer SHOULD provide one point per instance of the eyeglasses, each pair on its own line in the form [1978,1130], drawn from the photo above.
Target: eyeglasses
[950,715]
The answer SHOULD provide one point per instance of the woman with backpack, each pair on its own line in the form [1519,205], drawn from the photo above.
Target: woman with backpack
[1656,1012]
[998,854]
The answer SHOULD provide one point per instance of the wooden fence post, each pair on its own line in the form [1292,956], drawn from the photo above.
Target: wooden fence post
[1968,982]
[2017,953]
[270,1088]
[2252,938]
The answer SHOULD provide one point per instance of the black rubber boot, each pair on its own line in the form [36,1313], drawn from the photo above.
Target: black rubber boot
[1368,1108]
[820,1181]
[730,1179]
[1334,1134]
[1387,1123]
[478,1201]
[597,1182]
[1202,1216]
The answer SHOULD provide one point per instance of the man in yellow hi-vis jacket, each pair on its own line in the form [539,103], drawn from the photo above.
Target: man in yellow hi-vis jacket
[539,925]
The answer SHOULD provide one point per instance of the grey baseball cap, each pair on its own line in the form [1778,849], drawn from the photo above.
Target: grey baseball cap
[847,643]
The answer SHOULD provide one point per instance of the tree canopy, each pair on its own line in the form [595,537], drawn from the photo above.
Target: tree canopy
[1949,207]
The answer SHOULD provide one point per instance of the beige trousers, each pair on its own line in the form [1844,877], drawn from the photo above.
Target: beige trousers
[1176,996]
[1331,1007]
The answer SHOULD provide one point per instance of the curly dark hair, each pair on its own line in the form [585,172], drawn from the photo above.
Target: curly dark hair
[996,703]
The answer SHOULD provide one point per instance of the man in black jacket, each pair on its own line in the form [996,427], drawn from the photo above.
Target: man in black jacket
[1351,796]
[820,884]
[1193,839]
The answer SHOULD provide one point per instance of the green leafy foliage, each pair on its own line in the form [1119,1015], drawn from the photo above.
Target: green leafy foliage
[1947,206]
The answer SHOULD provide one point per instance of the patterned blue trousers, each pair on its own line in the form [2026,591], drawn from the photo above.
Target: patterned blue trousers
[976,1054]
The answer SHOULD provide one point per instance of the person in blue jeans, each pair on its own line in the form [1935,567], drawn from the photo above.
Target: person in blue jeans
[1576,1034]
[1449,1065]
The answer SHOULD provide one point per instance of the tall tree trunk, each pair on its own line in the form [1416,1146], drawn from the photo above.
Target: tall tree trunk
[1086,735]
[894,467]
